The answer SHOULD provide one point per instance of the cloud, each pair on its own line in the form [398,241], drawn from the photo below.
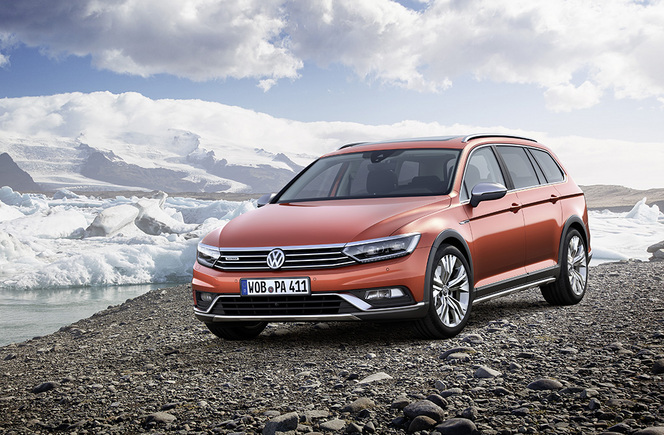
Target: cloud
[565,98]
[197,39]
[585,48]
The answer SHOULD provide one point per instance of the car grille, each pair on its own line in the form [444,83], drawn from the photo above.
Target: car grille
[280,306]
[315,257]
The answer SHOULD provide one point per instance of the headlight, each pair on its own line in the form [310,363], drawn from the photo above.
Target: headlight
[207,255]
[382,249]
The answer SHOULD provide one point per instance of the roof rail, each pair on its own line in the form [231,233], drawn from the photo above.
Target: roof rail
[479,136]
[352,145]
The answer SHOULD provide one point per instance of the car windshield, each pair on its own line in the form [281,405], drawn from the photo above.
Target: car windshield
[383,173]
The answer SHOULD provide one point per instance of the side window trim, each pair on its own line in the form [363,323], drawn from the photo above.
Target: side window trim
[509,183]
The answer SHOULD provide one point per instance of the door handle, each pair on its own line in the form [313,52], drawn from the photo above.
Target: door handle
[515,207]
[554,198]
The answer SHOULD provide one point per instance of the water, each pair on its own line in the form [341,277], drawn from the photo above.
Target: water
[30,313]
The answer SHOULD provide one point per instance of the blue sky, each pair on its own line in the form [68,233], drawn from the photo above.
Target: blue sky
[590,69]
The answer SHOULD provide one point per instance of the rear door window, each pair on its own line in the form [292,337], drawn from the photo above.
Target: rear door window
[519,166]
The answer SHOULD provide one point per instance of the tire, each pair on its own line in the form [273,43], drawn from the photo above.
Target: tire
[450,295]
[237,331]
[572,282]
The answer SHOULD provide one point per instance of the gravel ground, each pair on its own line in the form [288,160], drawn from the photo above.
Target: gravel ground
[520,366]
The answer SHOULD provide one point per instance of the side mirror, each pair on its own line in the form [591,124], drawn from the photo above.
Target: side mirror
[265,199]
[486,192]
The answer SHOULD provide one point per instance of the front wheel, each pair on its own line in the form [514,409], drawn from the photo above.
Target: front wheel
[237,330]
[570,287]
[450,295]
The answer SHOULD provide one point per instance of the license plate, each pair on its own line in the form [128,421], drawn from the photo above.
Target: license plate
[275,287]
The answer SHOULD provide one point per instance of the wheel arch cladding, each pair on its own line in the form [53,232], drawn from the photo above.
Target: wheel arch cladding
[447,237]
[573,223]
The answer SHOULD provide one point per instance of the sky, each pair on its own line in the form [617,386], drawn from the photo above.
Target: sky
[583,69]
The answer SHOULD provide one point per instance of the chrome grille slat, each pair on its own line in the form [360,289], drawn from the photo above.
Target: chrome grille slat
[310,257]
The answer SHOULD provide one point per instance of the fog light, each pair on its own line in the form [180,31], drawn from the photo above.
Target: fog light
[384,293]
[207,297]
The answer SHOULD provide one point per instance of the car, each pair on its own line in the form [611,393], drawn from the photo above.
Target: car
[412,230]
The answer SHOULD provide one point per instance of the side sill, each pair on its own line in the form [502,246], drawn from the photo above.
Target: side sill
[520,283]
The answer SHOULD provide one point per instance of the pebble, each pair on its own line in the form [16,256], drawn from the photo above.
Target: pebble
[358,405]
[545,384]
[281,423]
[484,372]
[601,371]
[424,407]
[457,426]
[376,377]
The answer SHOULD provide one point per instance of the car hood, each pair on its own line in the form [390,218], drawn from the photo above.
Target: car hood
[324,222]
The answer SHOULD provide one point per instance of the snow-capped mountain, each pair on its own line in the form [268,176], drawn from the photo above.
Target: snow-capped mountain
[103,141]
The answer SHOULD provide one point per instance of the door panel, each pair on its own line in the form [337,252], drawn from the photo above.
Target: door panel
[543,222]
[498,247]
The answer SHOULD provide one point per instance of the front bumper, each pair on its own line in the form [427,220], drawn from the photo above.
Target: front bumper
[321,307]
[336,294]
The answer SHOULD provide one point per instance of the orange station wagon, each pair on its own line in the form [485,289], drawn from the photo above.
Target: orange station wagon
[416,229]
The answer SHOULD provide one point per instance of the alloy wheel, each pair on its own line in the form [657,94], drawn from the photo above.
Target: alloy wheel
[451,290]
[577,265]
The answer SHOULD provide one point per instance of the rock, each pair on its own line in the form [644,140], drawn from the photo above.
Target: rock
[457,426]
[658,366]
[281,423]
[656,247]
[400,402]
[421,422]
[160,417]
[354,428]
[424,407]
[449,352]
[484,372]
[44,387]
[380,376]
[333,425]
[458,357]
[658,430]
[472,339]
[545,384]
[358,405]
[471,413]
[438,400]
[451,392]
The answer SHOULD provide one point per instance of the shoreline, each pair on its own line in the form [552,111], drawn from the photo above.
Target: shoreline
[147,364]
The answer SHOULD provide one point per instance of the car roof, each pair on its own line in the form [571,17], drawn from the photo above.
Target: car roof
[454,142]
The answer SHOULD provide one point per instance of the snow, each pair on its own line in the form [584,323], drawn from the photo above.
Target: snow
[621,236]
[71,240]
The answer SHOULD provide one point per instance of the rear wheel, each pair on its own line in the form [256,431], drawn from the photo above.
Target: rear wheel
[570,287]
[237,330]
[450,295]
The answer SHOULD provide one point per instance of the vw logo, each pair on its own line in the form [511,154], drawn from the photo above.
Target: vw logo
[276,258]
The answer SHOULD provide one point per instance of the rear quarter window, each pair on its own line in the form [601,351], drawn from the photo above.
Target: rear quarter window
[549,167]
